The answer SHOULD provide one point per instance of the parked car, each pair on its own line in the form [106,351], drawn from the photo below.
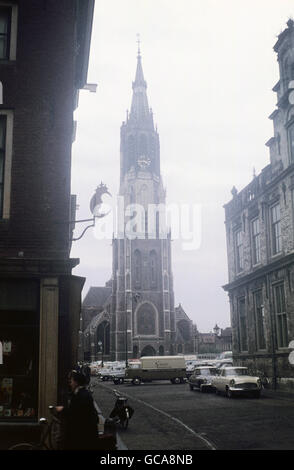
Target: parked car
[236,380]
[202,378]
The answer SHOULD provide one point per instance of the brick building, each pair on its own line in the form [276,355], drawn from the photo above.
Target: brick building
[44,51]
[260,243]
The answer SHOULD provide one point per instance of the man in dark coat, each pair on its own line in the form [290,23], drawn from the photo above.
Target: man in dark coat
[80,418]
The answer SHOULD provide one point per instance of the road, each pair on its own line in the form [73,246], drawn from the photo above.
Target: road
[172,417]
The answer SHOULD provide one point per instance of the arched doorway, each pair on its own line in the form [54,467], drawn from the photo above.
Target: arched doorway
[103,335]
[148,351]
[135,352]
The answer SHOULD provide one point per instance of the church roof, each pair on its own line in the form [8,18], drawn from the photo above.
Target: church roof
[96,296]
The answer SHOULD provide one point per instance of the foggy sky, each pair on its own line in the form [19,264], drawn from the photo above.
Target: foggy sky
[210,69]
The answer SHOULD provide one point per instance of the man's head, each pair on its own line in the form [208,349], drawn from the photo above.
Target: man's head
[76,379]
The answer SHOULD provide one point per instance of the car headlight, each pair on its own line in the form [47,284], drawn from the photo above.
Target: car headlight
[232,383]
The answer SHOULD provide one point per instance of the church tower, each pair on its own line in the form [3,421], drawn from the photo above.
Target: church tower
[143,320]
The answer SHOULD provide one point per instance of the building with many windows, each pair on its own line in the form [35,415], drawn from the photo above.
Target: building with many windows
[260,243]
[44,52]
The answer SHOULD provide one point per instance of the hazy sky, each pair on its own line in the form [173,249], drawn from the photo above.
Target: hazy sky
[210,69]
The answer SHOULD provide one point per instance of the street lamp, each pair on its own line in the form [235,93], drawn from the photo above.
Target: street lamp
[100,344]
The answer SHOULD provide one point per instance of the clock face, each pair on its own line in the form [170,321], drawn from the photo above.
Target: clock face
[143,161]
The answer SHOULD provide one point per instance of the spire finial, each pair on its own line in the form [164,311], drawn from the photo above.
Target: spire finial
[139,42]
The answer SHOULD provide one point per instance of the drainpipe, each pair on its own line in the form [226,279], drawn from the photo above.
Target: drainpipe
[273,341]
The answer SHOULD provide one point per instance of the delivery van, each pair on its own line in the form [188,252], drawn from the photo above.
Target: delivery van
[151,368]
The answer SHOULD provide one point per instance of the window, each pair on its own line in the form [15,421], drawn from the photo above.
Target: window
[3,120]
[19,335]
[6,126]
[239,251]
[259,320]
[256,241]
[291,142]
[5,25]
[281,316]
[242,325]
[8,31]
[138,268]
[276,229]
[153,269]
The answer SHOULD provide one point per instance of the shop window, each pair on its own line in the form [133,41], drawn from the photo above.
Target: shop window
[19,336]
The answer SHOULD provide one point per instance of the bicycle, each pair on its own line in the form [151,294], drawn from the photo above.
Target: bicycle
[50,436]
[122,412]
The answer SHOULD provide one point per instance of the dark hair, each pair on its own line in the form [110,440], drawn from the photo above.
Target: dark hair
[78,377]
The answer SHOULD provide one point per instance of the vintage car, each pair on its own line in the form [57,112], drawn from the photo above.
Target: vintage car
[201,379]
[236,380]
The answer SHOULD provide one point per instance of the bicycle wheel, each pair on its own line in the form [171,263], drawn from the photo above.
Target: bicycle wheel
[55,434]
[23,446]
[124,423]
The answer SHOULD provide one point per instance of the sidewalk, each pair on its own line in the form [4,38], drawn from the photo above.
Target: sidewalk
[278,393]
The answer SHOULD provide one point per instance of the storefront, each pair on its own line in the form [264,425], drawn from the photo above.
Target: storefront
[39,328]
[19,336]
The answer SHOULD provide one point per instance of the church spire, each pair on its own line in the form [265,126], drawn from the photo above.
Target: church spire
[140,114]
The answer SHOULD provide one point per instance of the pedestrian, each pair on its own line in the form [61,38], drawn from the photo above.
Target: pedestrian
[87,372]
[80,418]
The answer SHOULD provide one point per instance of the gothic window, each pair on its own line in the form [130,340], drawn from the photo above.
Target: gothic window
[138,267]
[144,196]
[132,195]
[291,142]
[146,320]
[135,352]
[165,282]
[131,150]
[143,147]
[166,300]
[153,269]
[128,282]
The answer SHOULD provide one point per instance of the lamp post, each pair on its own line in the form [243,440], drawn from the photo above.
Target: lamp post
[126,340]
[100,344]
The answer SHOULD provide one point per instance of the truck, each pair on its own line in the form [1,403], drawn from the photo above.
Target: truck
[151,368]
